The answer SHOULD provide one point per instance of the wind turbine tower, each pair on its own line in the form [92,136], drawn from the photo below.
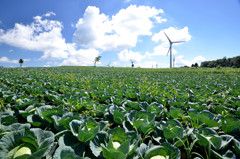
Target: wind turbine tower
[170,48]
[173,61]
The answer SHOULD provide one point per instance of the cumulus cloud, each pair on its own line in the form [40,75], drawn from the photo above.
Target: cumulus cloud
[45,35]
[127,55]
[180,61]
[6,60]
[174,34]
[41,35]
[81,57]
[25,60]
[148,64]
[121,31]
[160,50]
[95,32]
[46,66]
[116,63]
[145,60]
[50,14]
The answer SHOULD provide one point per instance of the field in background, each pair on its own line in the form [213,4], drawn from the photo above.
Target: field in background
[100,112]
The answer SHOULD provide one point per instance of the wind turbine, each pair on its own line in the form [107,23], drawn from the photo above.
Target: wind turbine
[108,64]
[170,48]
[173,61]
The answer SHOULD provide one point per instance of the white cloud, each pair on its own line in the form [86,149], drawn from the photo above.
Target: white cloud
[45,35]
[126,1]
[41,35]
[11,50]
[6,60]
[81,57]
[95,31]
[146,60]
[127,55]
[72,25]
[160,50]
[198,59]
[147,64]
[52,63]
[160,19]
[50,14]
[174,34]
[180,61]
[116,63]
[25,60]
[121,31]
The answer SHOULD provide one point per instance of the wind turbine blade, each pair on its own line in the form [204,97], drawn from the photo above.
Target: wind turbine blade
[169,50]
[178,41]
[168,38]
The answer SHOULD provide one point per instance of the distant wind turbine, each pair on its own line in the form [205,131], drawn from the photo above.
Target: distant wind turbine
[170,48]
[108,64]
[173,61]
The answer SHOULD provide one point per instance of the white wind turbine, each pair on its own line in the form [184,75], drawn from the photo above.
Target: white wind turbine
[170,48]
[108,65]
[173,61]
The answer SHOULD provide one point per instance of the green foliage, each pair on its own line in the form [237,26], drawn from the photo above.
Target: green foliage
[224,62]
[86,129]
[125,113]
[165,151]
[26,143]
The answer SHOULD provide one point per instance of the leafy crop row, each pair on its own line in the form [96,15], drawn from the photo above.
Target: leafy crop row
[118,113]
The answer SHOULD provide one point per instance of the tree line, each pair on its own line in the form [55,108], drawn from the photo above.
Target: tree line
[224,62]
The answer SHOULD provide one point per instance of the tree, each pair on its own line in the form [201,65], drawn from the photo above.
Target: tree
[204,64]
[237,62]
[132,62]
[97,59]
[224,62]
[21,62]
[195,65]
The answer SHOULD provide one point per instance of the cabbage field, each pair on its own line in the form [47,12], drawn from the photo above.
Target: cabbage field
[119,113]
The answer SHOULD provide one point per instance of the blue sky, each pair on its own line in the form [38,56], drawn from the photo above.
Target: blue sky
[74,32]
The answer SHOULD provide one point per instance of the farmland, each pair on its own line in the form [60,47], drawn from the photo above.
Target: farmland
[86,112]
